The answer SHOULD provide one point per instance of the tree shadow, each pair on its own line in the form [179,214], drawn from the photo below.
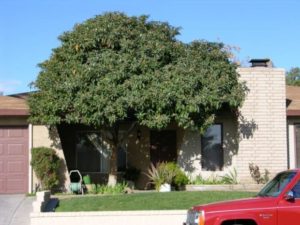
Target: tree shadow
[246,127]
[235,128]
[56,144]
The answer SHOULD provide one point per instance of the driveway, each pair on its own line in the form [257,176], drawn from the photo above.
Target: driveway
[15,209]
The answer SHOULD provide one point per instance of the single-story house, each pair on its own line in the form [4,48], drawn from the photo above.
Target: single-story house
[265,131]
[293,125]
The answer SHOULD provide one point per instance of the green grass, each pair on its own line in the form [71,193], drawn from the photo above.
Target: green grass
[146,201]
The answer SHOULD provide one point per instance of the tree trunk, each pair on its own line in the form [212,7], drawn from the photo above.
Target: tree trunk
[112,176]
[115,142]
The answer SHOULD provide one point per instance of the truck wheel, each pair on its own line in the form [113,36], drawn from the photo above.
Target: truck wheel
[239,222]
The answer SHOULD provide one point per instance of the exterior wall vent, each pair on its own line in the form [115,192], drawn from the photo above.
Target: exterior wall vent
[261,63]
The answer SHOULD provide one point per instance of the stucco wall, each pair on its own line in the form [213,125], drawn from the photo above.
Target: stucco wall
[43,137]
[189,147]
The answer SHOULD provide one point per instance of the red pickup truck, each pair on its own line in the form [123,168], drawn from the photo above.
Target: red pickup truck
[278,203]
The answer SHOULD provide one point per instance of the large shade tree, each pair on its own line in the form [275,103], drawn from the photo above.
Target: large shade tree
[115,68]
[293,76]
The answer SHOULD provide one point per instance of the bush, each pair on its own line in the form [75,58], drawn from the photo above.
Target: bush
[230,177]
[257,176]
[212,180]
[167,173]
[156,176]
[180,179]
[45,164]
[119,188]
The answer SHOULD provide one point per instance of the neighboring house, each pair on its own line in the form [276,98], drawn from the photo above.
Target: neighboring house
[293,125]
[257,133]
[14,145]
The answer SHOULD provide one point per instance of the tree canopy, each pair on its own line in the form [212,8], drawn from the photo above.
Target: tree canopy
[293,77]
[114,67]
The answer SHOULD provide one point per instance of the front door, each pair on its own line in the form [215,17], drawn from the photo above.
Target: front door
[163,146]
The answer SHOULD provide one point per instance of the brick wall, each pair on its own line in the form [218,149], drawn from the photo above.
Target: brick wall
[259,135]
[262,124]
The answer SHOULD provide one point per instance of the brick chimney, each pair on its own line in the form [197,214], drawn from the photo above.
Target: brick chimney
[261,63]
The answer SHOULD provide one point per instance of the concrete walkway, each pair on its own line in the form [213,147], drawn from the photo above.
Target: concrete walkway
[15,209]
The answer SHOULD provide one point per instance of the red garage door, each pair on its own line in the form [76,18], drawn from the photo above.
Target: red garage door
[13,160]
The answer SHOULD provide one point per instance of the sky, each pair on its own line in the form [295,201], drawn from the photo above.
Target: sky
[259,28]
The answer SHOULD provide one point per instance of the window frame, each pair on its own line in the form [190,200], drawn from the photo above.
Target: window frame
[222,149]
[100,155]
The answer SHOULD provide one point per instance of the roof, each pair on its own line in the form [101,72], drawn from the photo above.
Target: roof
[13,106]
[16,105]
[293,100]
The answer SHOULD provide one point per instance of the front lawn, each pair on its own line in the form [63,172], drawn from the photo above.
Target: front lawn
[146,201]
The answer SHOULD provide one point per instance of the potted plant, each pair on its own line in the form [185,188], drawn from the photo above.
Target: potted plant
[161,176]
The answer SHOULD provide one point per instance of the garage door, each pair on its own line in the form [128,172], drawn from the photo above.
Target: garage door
[13,160]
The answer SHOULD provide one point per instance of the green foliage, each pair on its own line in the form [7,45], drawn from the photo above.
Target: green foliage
[256,174]
[93,189]
[119,188]
[114,67]
[212,180]
[293,77]
[158,175]
[180,179]
[230,177]
[167,173]
[45,164]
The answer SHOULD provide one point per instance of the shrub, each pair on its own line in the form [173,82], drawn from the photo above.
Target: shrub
[94,189]
[230,177]
[180,179]
[213,179]
[257,176]
[156,176]
[166,173]
[119,188]
[45,164]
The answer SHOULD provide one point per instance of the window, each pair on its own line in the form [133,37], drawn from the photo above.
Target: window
[275,186]
[93,154]
[296,190]
[211,149]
